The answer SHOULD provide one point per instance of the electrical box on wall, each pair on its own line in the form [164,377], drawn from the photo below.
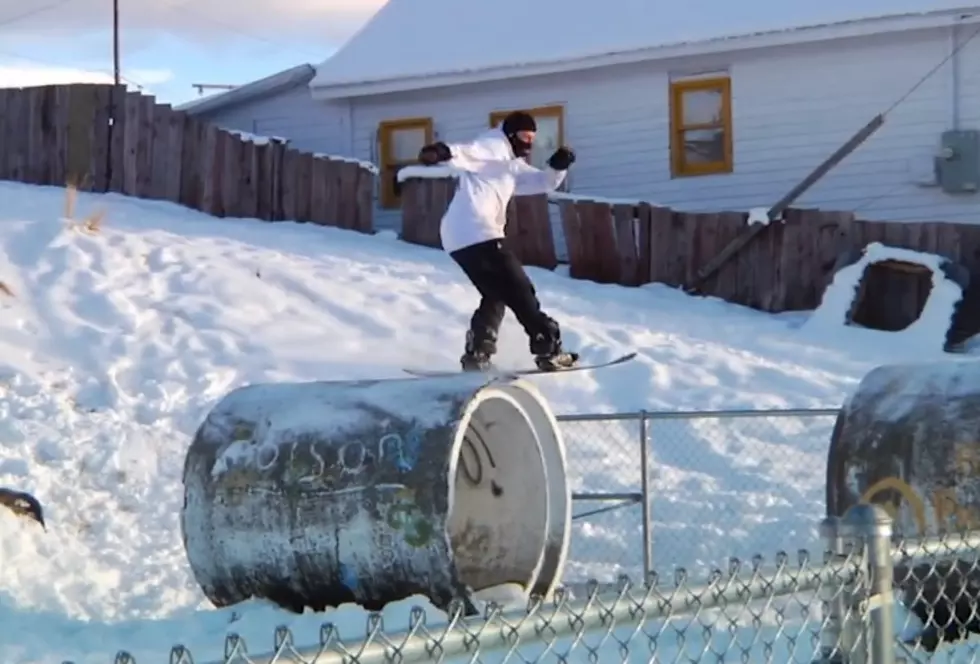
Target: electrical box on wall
[958,162]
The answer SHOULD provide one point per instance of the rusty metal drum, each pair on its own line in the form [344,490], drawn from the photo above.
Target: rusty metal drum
[317,494]
[909,439]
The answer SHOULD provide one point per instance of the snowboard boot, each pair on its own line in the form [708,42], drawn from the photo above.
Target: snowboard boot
[548,352]
[476,357]
[556,361]
[475,362]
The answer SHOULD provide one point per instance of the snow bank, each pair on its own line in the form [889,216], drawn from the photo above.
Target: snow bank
[116,343]
[759,215]
[49,638]
[265,140]
[255,138]
[927,332]
[366,165]
[606,200]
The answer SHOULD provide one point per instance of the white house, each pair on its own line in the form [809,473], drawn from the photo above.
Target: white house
[701,105]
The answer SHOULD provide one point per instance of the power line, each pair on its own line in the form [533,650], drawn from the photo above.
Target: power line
[33,12]
[949,56]
[871,200]
[116,72]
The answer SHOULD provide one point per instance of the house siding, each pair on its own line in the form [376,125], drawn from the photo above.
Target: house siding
[792,108]
[311,126]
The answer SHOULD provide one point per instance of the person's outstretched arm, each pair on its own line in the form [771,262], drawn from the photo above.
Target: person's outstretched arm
[468,156]
[465,156]
[531,181]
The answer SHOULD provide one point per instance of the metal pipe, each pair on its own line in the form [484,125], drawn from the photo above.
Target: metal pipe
[876,527]
[696,414]
[462,637]
[630,496]
[945,546]
[647,525]
[954,75]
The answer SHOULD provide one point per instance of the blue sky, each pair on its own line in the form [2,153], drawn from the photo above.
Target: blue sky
[168,45]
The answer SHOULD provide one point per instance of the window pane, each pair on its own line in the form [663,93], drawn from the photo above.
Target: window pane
[389,182]
[406,143]
[545,142]
[704,146]
[701,106]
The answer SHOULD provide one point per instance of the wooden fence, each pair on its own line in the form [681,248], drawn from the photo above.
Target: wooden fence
[106,139]
[782,267]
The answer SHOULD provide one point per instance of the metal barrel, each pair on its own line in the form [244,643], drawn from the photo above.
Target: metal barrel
[322,493]
[908,439]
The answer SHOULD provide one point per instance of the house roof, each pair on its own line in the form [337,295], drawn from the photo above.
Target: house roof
[264,87]
[408,43]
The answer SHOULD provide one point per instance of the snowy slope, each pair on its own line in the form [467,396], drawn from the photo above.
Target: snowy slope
[114,344]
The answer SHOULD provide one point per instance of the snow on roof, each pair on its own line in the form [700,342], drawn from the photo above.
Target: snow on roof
[418,38]
[283,80]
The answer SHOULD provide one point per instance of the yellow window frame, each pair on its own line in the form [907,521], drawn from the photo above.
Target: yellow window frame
[678,164]
[387,192]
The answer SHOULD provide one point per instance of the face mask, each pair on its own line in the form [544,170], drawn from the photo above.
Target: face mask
[521,148]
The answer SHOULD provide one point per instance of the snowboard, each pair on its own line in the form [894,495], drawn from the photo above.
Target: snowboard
[581,366]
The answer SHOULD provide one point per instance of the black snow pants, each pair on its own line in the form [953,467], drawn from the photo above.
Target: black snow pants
[503,284]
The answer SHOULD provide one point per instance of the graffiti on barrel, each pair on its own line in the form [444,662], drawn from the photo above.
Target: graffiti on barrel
[404,515]
[949,509]
[314,464]
[312,459]
[476,463]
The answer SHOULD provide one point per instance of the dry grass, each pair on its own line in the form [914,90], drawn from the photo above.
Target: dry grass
[89,224]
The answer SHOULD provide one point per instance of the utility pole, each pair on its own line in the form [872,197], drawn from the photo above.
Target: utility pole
[116,74]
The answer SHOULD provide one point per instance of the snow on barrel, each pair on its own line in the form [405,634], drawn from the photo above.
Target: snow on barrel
[909,439]
[316,494]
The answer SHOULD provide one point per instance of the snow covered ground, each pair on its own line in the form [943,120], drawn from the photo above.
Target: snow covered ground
[114,343]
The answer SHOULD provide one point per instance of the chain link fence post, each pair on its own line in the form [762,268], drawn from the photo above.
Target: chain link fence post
[854,636]
[831,596]
[647,520]
[872,528]
[842,636]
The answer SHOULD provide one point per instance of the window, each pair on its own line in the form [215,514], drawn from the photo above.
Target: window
[399,142]
[701,126]
[551,131]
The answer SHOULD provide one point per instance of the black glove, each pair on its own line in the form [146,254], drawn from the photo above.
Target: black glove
[435,154]
[562,159]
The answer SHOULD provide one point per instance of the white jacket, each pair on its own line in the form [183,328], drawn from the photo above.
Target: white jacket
[489,175]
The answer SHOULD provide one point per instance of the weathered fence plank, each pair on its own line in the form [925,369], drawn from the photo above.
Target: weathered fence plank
[783,265]
[103,138]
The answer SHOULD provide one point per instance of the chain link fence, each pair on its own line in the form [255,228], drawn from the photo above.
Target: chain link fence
[675,491]
[841,609]
[692,488]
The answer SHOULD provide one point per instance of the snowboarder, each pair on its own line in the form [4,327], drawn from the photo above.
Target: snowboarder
[492,169]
